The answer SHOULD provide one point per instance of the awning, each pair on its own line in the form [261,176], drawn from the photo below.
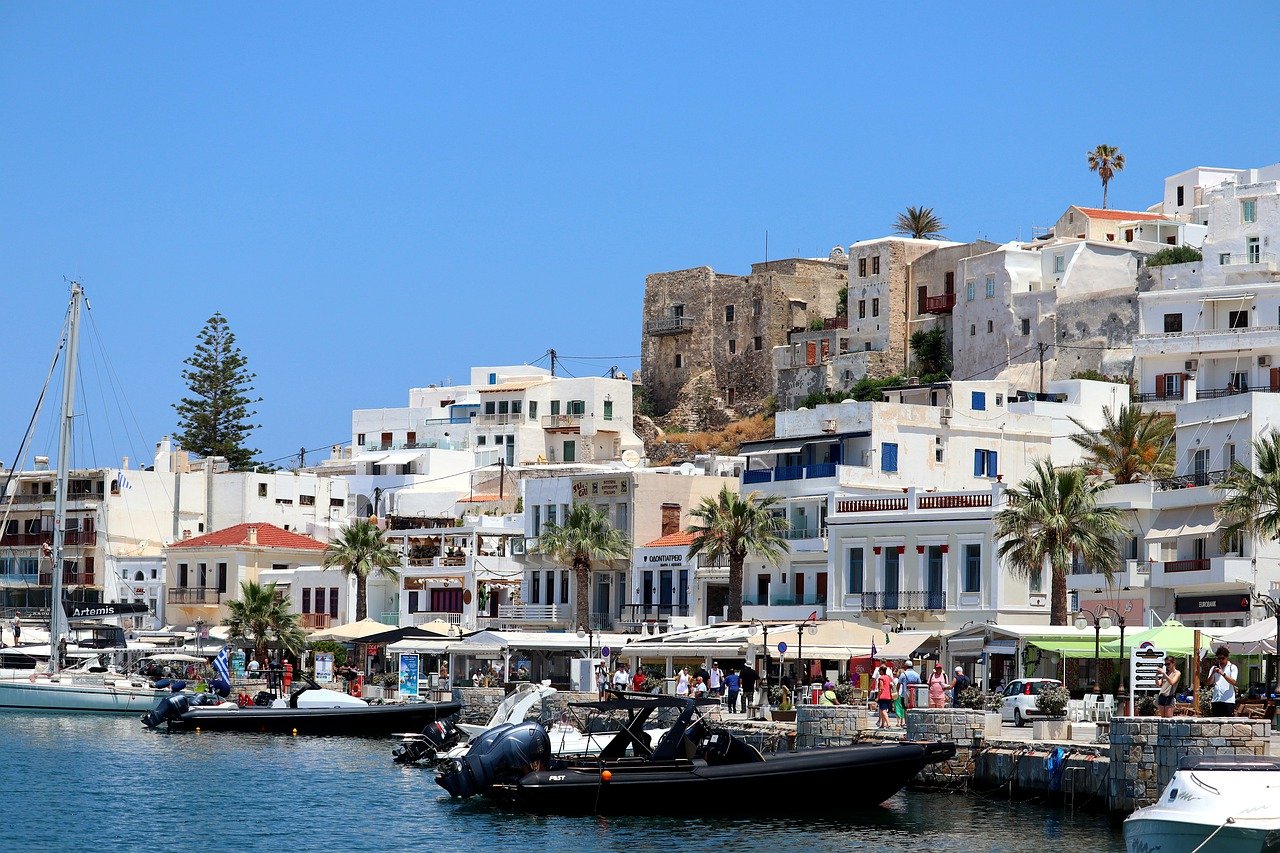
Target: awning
[368,457]
[401,457]
[510,386]
[1187,521]
[902,645]
[779,448]
[422,647]
[1072,648]
[793,445]
[965,647]
[1230,297]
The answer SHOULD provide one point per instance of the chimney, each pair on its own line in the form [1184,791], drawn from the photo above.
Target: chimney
[124,463]
[253,536]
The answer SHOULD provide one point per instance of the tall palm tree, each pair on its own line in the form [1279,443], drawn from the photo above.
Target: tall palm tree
[728,525]
[360,550]
[262,617]
[585,536]
[1250,505]
[920,223]
[1052,517]
[1106,160]
[1131,447]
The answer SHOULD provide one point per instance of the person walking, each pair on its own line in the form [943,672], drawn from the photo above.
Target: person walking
[884,695]
[716,681]
[682,682]
[621,678]
[1222,681]
[749,678]
[959,684]
[906,689]
[938,685]
[1167,680]
[732,682]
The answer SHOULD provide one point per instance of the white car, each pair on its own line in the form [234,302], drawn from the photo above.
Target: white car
[1019,703]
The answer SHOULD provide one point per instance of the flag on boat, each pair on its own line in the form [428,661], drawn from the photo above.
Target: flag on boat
[221,664]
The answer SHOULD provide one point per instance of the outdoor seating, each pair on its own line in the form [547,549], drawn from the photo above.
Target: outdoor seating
[1090,703]
[1075,710]
[1106,709]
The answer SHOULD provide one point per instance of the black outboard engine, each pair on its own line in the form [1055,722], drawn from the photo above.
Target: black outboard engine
[220,687]
[168,708]
[502,754]
[436,738]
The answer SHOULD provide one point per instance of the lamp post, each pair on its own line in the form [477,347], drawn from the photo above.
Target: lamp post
[1271,604]
[764,678]
[811,625]
[199,635]
[590,635]
[1099,621]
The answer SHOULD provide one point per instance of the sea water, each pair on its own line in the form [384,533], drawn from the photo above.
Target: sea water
[97,782]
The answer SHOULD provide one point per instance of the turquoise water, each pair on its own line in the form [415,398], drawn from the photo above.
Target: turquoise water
[71,783]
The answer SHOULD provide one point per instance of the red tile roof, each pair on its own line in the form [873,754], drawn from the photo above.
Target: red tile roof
[480,499]
[269,536]
[1119,215]
[670,539]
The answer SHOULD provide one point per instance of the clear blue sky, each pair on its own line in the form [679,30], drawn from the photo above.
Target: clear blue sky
[378,200]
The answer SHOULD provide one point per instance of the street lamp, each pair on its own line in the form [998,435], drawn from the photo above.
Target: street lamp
[590,635]
[199,635]
[1099,621]
[1272,605]
[756,624]
[811,625]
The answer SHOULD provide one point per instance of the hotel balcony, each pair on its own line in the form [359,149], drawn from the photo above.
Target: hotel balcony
[519,616]
[883,602]
[783,606]
[669,326]
[569,422]
[315,621]
[1199,343]
[1134,574]
[1202,571]
[941,304]
[194,595]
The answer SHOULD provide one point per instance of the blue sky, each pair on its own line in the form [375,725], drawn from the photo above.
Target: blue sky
[378,200]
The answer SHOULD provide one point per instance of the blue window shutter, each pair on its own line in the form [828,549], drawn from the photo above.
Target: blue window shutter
[888,457]
[493,379]
[979,401]
[992,463]
[979,463]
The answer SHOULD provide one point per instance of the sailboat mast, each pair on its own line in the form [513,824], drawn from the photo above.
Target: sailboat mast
[57,616]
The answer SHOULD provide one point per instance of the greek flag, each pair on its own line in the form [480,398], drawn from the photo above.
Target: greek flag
[124,481]
[221,664]
[874,652]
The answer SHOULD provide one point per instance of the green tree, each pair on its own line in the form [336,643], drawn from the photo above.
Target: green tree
[261,616]
[1175,255]
[842,301]
[1131,447]
[1052,517]
[1250,505]
[920,223]
[585,536]
[1106,160]
[933,356]
[216,419]
[360,550]
[727,526]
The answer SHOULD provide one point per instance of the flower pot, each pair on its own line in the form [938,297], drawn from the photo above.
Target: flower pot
[1055,729]
[782,716]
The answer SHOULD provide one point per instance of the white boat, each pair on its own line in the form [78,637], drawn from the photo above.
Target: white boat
[77,689]
[1213,804]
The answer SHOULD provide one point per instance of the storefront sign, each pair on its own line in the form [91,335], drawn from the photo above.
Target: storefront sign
[1145,663]
[324,667]
[1190,605]
[663,558]
[408,675]
[601,488]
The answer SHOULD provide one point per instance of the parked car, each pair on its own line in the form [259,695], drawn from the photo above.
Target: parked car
[1019,703]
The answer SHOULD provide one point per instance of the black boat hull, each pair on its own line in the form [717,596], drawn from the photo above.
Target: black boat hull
[372,721]
[837,777]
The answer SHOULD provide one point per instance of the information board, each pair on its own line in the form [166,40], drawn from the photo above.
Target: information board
[408,675]
[1145,663]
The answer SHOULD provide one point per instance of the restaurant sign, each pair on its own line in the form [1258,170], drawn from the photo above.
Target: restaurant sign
[1189,605]
[608,488]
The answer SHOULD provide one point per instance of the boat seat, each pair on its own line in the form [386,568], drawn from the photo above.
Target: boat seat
[1228,762]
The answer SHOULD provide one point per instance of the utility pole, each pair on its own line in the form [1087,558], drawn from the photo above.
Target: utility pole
[552,353]
[302,457]
[502,478]
[1043,348]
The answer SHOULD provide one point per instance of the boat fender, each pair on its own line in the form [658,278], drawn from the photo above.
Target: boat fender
[1055,764]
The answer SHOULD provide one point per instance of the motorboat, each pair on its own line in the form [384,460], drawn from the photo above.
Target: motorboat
[308,710]
[1213,804]
[691,762]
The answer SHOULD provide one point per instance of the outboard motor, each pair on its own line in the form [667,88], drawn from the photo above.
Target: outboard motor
[502,754]
[168,708]
[220,687]
[436,738]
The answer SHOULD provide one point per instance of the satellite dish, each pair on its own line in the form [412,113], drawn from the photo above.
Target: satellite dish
[687,469]
[630,458]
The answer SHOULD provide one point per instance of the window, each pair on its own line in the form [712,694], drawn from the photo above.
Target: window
[867,346]
[1180,196]
[875,265]
[535,587]
[482,439]
[1037,582]
[551,514]
[731,394]
[1173,322]
[679,361]
[991,286]
[733,346]
[1237,319]
[888,456]
[533,410]
[222,577]
[1249,210]
[608,410]
[990,326]
[1026,327]
[968,291]
[985,463]
[306,500]
[728,313]
[755,307]
[677,310]
[537,521]
[517,407]
[949,283]
[972,568]
[564,587]
[875,307]
[182,574]
[1224,259]
[1059,263]
[978,401]
[937,448]
[862,267]
[862,309]
[262,490]
[758,343]
[973,329]
[857,570]
[1252,250]
[1230,454]
[1240,381]
[623,521]
[360,438]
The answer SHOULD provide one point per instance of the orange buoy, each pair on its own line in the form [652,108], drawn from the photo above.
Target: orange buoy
[606,776]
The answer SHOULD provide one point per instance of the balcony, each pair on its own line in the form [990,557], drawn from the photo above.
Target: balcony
[961,501]
[194,595]
[919,601]
[784,606]
[1196,344]
[832,323]
[1202,571]
[788,472]
[942,304]
[1249,262]
[1194,565]
[500,419]
[804,533]
[561,421]
[1159,397]
[1135,573]
[1190,481]
[68,578]
[422,617]
[315,621]
[872,505]
[523,615]
[635,614]
[669,326]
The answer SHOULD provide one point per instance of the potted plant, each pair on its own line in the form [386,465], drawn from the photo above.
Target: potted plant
[781,710]
[1052,703]
[976,699]
[1146,706]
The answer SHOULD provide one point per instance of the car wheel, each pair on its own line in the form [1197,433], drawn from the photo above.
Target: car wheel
[1018,719]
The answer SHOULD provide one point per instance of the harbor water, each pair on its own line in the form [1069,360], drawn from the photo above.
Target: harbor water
[95,782]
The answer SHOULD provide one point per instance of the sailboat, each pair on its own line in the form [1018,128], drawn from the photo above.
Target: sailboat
[86,687]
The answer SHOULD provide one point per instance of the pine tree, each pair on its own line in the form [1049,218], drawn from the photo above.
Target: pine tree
[216,419]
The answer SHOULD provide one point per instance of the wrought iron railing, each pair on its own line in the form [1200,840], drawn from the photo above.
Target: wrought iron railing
[1189,481]
[914,600]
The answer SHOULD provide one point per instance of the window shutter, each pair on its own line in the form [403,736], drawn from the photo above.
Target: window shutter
[992,463]
[1275,379]
[979,401]
[888,457]
[1160,386]
[979,463]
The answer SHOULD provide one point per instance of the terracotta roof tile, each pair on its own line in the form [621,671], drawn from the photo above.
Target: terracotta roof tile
[480,499]
[670,539]
[269,536]
[1119,215]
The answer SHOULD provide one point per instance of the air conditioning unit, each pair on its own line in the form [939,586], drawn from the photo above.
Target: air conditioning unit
[829,425]
[1264,361]
[946,414]
[1191,365]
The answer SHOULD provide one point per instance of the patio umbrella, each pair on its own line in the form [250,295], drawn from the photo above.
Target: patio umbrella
[353,632]
[1172,638]
[1256,639]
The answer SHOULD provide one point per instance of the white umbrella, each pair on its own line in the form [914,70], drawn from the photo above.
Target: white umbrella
[1255,639]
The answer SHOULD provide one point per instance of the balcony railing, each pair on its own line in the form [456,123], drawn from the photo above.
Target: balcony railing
[73,538]
[1190,481]
[942,304]
[783,473]
[1160,397]
[499,419]
[904,601]
[561,421]
[534,612]
[68,578]
[1215,393]
[804,533]
[315,621]
[669,326]
[757,475]
[1197,565]
[872,505]
[979,499]
[783,600]
[635,613]
[819,470]
[194,595]
[422,617]
[830,323]
[788,472]
[1248,258]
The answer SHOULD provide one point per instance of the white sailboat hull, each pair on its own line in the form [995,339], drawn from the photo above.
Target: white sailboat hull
[1217,804]
[45,695]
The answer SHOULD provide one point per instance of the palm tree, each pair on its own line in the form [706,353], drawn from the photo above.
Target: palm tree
[727,526]
[585,536]
[1131,447]
[360,550]
[1106,160]
[1052,517]
[1251,502]
[262,616]
[920,223]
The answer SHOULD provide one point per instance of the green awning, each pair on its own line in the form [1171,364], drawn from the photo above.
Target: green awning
[1071,648]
